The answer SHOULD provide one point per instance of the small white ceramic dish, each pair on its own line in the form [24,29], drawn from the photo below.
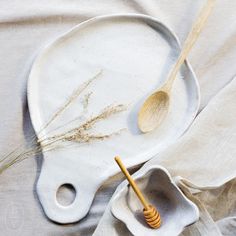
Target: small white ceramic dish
[135,53]
[161,191]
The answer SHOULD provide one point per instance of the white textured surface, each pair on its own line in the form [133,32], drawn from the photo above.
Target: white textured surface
[135,54]
[26,26]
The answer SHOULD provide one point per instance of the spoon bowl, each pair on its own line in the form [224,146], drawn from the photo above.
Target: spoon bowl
[153,111]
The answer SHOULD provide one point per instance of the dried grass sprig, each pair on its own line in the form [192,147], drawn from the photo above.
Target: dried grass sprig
[78,134]
[87,138]
[86,100]
[21,153]
[72,97]
[17,157]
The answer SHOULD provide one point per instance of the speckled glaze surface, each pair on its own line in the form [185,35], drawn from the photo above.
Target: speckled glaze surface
[135,53]
[160,190]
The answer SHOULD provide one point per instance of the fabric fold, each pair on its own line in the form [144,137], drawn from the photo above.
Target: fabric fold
[204,162]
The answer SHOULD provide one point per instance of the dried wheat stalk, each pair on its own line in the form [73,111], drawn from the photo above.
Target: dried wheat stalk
[72,98]
[78,134]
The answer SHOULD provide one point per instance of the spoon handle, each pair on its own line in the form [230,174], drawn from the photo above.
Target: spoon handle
[191,39]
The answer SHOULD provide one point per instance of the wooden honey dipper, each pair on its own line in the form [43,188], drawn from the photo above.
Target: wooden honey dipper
[151,215]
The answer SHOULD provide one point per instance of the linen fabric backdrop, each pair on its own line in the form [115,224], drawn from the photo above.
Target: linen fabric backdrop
[26,26]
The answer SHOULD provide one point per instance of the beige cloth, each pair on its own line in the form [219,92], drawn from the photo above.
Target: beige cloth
[25,27]
[204,162]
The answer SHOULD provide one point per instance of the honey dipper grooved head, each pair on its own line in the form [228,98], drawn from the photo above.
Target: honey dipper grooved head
[152,217]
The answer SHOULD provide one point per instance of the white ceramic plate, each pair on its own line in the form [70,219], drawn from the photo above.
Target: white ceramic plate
[135,54]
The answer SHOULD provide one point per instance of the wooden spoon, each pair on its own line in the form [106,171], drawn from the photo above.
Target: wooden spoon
[156,106]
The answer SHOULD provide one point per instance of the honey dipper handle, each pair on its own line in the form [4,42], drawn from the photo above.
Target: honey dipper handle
[132,183]
[191,39]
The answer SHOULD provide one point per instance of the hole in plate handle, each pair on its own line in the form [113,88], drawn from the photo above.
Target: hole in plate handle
[66,194]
